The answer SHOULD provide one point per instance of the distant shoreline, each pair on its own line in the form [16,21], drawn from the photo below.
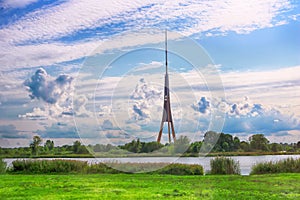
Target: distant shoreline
[215,154]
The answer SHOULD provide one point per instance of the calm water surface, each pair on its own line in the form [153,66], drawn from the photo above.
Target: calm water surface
[246,162]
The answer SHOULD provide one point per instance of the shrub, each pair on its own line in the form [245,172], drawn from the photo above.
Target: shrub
[223,165]
[73,166]
[152,168]
[2,166]
[288,165]
[181,169]
[49,166]
[101,168]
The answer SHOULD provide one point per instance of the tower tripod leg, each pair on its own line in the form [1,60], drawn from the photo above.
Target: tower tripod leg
[173,131]
[169,134]
[160,131]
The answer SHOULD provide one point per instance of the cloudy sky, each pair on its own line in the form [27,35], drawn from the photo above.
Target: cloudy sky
[95,69]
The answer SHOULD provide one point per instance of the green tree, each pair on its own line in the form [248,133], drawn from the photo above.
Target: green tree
[182,144]
[223,143]
[150,146]
[35,144]
[195,147]
[49,145]
[236,143]
[245,146]
[109,147]
[99,148]
[83,150]
[275,147]
[259,142]
[76,146]
[210,141]
[133,146]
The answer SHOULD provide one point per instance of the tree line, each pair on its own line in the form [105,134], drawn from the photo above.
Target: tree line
[212,142]
[215,142]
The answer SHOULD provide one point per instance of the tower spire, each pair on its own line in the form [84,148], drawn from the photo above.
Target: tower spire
[166,50]
[167,116]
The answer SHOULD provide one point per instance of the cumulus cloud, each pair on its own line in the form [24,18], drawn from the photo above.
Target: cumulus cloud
[203,105]
[245,118]
[245,108]
[42,87]
[79,106]
[55,94]
[269,122]
[10,131]
[58,130]
[105,111]
[36,114]
[144,98]
[107,124]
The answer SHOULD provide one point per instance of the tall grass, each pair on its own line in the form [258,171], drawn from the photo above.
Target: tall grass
[48,166]
[74,166]
[288,165]
[224,165]
[2,166]
[181,169]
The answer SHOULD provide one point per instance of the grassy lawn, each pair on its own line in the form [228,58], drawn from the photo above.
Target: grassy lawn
[140,186]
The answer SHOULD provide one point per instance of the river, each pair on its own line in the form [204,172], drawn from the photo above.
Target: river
[246,162]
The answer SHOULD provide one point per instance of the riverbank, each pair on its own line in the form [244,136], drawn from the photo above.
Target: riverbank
[133,155]
[143,186]
[246,162]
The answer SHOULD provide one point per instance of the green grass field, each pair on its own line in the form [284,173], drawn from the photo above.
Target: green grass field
[141,186]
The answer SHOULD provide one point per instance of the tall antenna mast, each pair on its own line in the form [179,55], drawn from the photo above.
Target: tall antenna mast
[166,49]
[167,116]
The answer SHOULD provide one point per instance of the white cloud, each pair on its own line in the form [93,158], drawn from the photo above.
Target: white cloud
[272,87]
[246,118]
[42,87]
[55,94]
[194,16]
[43,54]
[202,106]
[72,17]
[36,114]
[148,66]
[16,3]
[65,19]
[144,100]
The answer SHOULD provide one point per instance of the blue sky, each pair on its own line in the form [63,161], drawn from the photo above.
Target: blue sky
[98,66]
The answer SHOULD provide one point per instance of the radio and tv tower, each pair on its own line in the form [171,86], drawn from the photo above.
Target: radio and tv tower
[167,115]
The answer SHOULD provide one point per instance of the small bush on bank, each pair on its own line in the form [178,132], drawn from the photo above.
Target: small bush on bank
[288,165]
[2,166]
[223,165]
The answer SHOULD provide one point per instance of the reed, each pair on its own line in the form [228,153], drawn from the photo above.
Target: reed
[49,166]
[74,166]
[288,165]
[224,165]
[2,166]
